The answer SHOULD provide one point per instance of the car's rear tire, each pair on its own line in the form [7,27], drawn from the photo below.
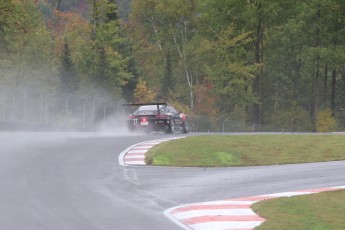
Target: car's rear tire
[185,127]
[171,127]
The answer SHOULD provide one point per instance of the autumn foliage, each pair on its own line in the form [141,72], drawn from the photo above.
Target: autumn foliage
[205,100]
[143,94]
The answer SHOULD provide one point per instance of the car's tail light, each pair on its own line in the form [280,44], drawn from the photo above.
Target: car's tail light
[131,117]
[183,116]
[144,119]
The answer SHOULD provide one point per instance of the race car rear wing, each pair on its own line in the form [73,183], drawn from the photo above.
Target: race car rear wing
[141,104]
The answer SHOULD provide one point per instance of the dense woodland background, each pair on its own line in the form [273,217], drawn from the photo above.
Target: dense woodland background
[247,65]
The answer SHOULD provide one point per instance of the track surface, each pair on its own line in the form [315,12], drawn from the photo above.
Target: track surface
[73,181]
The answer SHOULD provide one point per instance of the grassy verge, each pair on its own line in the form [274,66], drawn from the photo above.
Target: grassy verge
[245,150]
[322,211]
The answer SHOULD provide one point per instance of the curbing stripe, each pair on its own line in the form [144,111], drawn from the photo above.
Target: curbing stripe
[135,162]
[234,214]
[212,206]
[215,212]
[227,225]
[131,158]
[135,154]
[222,218]
[136,151]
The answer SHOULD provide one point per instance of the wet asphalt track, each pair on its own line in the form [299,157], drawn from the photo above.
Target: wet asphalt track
[58,181]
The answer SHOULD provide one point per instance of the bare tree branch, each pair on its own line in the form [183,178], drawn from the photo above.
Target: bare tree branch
[157,34]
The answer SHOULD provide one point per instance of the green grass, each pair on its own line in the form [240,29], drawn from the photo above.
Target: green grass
[246,150]
[322,211]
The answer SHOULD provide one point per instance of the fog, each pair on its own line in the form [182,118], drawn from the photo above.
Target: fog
[28,109]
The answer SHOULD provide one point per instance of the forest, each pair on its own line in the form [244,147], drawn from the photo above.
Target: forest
[231,65]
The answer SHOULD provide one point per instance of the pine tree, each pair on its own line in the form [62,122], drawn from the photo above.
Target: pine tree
[102,76]
[111,64]
[111,14]
[69,81]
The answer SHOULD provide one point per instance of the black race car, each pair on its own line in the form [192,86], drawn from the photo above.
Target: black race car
[156,117]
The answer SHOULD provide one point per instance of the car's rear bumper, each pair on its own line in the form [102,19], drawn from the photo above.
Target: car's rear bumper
[150,124]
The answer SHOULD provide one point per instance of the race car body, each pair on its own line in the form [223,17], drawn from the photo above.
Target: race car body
[156,117]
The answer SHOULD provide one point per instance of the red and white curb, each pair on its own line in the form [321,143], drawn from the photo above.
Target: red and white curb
[234,214]
[135,154]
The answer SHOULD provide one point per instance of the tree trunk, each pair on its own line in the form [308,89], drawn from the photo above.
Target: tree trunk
[314,104]
[257,81]
[333,90]
[325,87]
[316,74]
[190,86]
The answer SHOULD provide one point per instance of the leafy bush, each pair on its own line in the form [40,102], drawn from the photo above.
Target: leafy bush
[325,121]
[294,119]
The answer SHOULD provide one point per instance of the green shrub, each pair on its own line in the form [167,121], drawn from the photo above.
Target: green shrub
[325,121]
[294,119]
